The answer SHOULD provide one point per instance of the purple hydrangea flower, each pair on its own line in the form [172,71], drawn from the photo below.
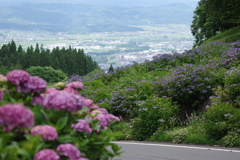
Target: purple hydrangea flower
[51,90]
[63,101]
[46,154]
[38,100]
[82,126]
[69,151]
[75,85]
[88,102]
[18,77]
[48,132]
[103,110]
[16,115]
[113,118]
[70,90]
[104,120]
[36,84]
[79,101]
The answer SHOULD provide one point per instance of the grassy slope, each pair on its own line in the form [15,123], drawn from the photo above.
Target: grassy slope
[221,37]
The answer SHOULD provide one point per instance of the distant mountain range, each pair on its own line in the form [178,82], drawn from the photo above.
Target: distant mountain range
[79,18]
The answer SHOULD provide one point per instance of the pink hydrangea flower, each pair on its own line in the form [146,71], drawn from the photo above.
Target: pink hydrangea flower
[46,154]
[48,132]
[88,102]
[36,84]
[82,126]
[94,106]
[75,85]
[37,100]
[70,90]
[63,101]
[16,115]
[69,151]
[51,90]
[79,101]
[104,120]
[113,118]
[18,77]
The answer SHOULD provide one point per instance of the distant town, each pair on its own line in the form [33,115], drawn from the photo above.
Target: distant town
[116,48]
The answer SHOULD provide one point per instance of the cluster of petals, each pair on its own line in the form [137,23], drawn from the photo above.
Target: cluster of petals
[82,126]
[103,110]
[76,85]
[16,115]
[113,118]
[70,90]
[88,102]
[46,154]
[26,83]
[37,100]
[63,101]
[36,84]
[51,90]
[104,120]
[48,132]
[18,77]
[69,151]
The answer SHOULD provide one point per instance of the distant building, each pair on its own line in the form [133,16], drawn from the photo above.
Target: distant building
[120,58]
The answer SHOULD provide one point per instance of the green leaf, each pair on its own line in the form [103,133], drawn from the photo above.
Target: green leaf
[61,123]
[24,153]
[115,148]
[64,138]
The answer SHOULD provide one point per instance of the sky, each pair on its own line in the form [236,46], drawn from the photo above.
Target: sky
[108,2]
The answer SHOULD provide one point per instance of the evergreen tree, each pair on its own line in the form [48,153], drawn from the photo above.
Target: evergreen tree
[12,47]
[111,69]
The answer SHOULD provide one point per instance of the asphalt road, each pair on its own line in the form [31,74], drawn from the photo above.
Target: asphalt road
[164,151]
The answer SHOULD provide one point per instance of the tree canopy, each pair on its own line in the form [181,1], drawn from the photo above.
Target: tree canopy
[214,16]
[69,60]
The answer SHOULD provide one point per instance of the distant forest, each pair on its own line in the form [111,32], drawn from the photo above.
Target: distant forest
[70,61]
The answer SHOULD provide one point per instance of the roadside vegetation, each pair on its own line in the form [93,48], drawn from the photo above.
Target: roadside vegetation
[190,97]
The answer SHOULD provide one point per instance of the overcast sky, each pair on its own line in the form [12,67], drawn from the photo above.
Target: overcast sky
[109,2]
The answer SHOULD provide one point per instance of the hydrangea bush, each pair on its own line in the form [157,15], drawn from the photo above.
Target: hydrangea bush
[154,114]
[189,84]
[43,123]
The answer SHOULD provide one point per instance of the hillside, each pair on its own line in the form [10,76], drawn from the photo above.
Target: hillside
[164,99]
[78,18]
[230,35]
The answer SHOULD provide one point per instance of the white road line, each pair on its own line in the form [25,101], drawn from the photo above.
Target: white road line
[176,146]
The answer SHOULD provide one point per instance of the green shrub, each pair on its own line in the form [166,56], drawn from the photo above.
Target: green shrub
[155,113]
[161,137]
[47,73]
[221,118]
[229,140]
[230,91]
[179,135]
[237,142]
